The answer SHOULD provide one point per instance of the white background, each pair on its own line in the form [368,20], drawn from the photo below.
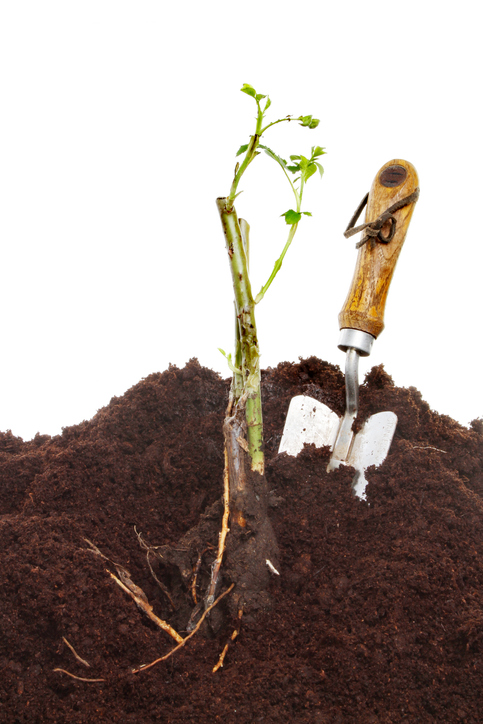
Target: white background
[119,126]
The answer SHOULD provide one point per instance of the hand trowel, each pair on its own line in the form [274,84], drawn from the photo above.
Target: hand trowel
[390,204]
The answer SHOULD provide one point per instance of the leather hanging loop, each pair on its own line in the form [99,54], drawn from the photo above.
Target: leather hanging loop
[374,228]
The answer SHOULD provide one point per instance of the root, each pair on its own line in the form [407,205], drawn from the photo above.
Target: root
[195,574]
[210,594]
[152,550]
[123,580]
[79,678]
[428,447]
[227,645]
[79,658]
[138,595]
[185,640]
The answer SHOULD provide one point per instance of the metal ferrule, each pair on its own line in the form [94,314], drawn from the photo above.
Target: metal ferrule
[356,339]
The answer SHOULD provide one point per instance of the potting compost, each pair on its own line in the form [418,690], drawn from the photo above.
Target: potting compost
[375,610]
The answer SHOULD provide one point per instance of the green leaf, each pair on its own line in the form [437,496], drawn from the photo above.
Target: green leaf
[309,171]
[314,123]
[306,120]
[317,151]
[293,169]
[259,97]
[249,90]
[242,149]
[321,168]
[292,217]
[232,367]
[295,158]
[273,155]
[267,104]
[307,213]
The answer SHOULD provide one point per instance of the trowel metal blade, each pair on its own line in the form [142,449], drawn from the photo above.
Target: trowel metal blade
[308,421]
[370,447]
[372,442]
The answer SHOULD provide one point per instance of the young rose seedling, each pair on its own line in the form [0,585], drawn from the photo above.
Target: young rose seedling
[245,367]
[252,542]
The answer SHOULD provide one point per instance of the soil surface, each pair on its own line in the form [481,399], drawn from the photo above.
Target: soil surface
[377,614]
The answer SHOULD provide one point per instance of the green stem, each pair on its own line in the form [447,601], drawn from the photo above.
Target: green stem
[245,232]
[248,341]
[237,382]
[280,120]
[298,196]
[250,154]
[300,193]
[277,265]
[236,390]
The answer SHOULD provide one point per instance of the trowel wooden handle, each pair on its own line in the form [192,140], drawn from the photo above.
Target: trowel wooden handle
[364,307]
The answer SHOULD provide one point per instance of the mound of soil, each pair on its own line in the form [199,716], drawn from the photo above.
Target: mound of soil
[377,614]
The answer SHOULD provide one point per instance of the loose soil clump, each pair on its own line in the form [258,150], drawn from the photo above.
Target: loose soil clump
[376,616]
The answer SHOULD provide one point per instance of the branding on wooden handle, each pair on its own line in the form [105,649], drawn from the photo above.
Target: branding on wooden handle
[393,176]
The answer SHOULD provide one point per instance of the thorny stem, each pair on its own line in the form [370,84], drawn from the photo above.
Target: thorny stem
[277,265]
[250,154]
[237,384]
[280,120]
[240,170]
[298,196]
[245,232]
[293,228]
[248,341]
[236,390]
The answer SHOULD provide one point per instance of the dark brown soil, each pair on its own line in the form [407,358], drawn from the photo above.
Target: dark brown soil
[377,615]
